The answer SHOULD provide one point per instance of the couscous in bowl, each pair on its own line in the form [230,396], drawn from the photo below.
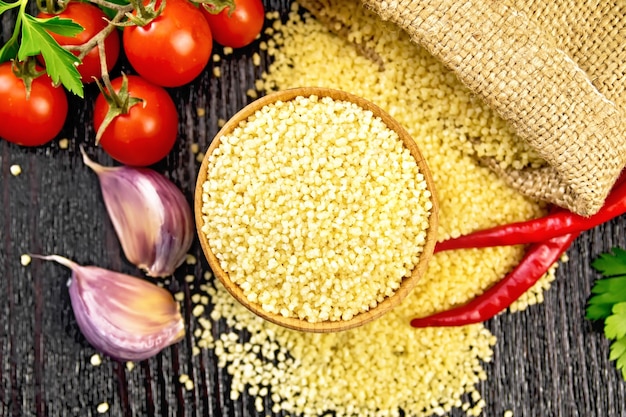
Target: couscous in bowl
[316,209]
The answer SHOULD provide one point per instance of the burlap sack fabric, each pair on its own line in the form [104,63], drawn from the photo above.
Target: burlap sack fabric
[554,69]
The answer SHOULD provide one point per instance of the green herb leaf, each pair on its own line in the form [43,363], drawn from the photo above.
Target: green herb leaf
[618,348]
[9,49]
[609,303]
[8,6]
[60,26]
[60,63]
[608,292]
[618,354]
[615,324]
[612,263]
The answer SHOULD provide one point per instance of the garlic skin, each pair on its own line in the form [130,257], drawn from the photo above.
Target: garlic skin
[125,317]
[151,217]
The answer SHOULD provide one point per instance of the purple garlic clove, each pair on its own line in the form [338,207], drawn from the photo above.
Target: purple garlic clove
[127,318]
[151,216]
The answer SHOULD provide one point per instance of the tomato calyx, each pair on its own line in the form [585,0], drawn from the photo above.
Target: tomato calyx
[216,6]
[239,27]
[119,102]
[26,71]
[143,13]
[147,133]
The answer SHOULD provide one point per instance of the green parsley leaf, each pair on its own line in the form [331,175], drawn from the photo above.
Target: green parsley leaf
[9,49]
[618,348]
[60,63]
[8,6]
[615,324]
[60,26]
[618,354]
[608,303]
[608,292]
[612,263]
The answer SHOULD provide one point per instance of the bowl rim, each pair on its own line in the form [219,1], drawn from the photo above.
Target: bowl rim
[407,284]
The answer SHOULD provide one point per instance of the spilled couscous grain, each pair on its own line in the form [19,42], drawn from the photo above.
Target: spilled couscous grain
[315,209]
[25,259]
[15,170]
[102,408]
[95,360]
[386,368]
[64,143]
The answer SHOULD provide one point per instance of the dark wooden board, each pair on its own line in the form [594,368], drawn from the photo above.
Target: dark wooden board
[549,361]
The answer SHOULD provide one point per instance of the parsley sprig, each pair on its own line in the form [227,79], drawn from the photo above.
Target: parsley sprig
[608,303]
[30,38]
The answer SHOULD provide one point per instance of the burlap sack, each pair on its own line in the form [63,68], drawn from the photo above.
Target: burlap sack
[553,69]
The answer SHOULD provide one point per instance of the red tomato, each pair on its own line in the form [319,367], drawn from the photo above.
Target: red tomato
[33,121]
[174,48]
[144,135]
[241,27]
[91,18]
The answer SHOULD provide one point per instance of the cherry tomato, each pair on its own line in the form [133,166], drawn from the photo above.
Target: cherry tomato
[91,18]
[33,121]
[144,135]
[241,27]
[174,48]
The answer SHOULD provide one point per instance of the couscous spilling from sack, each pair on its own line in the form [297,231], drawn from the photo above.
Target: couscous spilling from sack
[388,368]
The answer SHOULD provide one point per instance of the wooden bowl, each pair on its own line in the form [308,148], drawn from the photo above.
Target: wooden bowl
[407,284]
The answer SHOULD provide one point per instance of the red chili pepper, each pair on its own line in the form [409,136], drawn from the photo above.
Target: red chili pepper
[538,259]
[557,223]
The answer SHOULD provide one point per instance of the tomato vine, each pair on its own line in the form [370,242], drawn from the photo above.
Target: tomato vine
[69,43]
[32,37]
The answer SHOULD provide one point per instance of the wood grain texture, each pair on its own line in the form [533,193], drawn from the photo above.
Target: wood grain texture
[549,361]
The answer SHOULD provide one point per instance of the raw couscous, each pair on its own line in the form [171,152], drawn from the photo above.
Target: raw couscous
[315,208]
[386,366]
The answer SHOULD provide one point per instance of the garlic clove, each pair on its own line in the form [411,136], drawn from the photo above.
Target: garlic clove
[151,216]
[125,317]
